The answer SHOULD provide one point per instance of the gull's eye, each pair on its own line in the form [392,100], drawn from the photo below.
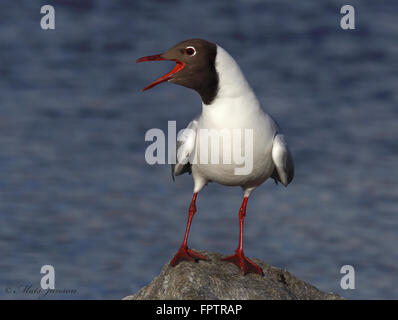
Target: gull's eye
[190,51]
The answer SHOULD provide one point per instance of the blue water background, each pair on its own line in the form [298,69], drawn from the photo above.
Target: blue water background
[76,192]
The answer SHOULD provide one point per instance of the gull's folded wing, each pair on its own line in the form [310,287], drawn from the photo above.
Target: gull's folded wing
[283,160]
[185,147]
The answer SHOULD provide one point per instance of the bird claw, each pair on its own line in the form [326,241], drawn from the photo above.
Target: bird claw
[186,254]
[244,263]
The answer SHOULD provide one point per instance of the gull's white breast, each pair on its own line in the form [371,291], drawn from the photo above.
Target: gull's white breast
[235,108]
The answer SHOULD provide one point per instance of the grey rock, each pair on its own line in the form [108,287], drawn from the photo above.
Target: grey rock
[216,279]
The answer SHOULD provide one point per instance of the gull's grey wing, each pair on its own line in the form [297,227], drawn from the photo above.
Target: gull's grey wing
[283,160]
[185,147]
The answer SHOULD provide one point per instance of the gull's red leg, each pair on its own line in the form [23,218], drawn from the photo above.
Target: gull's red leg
[184,253]
[239,259]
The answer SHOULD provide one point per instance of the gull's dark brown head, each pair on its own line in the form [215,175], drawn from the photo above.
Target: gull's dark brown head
[195,67]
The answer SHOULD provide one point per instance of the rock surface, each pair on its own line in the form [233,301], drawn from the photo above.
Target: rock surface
[216,279]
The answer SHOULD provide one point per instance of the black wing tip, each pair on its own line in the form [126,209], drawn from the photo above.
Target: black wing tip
[277,178]
[172,172]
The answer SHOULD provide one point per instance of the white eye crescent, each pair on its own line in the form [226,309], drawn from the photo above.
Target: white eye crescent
[190,51]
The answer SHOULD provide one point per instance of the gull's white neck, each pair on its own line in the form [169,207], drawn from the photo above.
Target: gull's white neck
[233,88]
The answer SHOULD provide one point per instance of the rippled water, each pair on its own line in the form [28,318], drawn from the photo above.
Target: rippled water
[76,192]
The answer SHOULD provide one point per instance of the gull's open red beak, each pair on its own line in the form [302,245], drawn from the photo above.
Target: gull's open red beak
[158,57]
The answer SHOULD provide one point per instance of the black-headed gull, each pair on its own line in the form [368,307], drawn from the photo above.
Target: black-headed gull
[228,104]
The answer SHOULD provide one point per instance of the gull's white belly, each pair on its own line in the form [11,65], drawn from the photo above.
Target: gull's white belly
[223,160]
